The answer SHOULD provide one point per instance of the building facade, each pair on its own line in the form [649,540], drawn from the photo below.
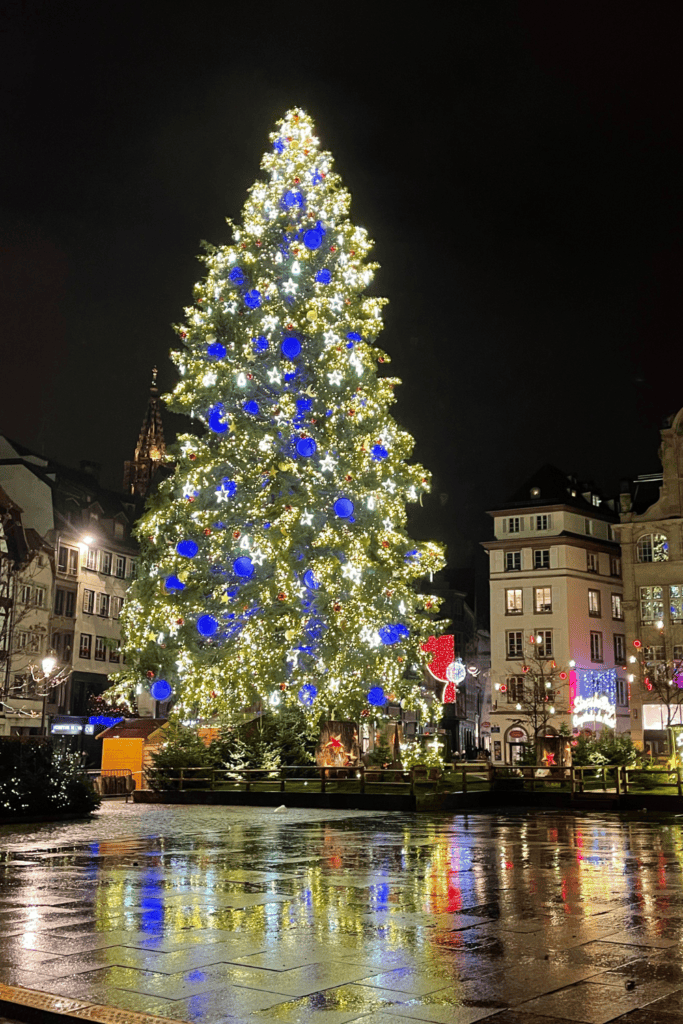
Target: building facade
[651,536]
[556,596]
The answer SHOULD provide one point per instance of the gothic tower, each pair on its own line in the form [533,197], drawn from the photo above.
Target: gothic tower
[151,448]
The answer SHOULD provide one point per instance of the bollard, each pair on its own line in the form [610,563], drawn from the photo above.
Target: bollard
[182,779]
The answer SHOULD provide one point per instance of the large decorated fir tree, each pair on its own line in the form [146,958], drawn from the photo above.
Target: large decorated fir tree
[275,562]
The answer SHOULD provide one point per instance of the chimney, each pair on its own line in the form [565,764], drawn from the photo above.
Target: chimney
[624,497]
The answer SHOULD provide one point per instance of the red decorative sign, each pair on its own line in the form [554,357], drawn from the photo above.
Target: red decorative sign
[442,649]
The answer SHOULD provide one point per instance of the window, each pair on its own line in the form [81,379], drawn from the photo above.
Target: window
[676,601]
[25,594]
[116,605]
[651,604]
[596,646]
[65,602]
[515,689]
[67,560]
[24,640]
[542,558]
[39,597]
[591,561]
[513,561]
[543,599]
[105,562]
[621,692]
[120,567]
[588,526]
[615,566]
[103,605]
[543,691]
[594,603]
[653,547]
[514,640]
[63,644]
[651,655]
[513,524]
[114,655]
[88,602]
[86,645]
[91,560]
[617,607]
[619,649]
[100,648]
[513,602]
[543,639]
[543,522]
[118,531]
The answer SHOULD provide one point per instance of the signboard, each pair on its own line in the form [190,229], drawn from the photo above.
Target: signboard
[486,725]
[67,727]
[495,728]
[517,734]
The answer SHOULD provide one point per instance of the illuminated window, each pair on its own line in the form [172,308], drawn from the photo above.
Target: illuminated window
[88,602]
[653,547]
[105,562]
[120,567]
[513,561]
[514,639]
[91,560]
[103,605]
[651,604]
[85,645]
[676,601]
[100,648]
[591,561]
[116,605]
[544,643]
[543,599]
[596,646]
[594,603]
[515,692]
[542,558]
[617,607]
[513,602]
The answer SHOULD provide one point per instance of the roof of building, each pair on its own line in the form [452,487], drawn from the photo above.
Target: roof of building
[133,728]
[550,486]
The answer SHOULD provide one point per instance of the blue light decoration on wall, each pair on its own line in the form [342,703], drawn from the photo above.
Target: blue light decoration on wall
[595,703]
[216,351]
[290,347]
[252,299]
[377,697]
[323,276]
[173,583]
[243,567]
[187,548]
[306,447]
[343,507]
[307,694]
[251,407]
[161,689]
[207,625]
[215,419]
[379,452]
[106,720]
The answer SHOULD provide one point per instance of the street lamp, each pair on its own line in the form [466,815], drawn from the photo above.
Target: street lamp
[48,665]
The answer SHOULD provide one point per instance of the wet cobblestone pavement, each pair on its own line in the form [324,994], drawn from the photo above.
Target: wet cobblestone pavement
[220,914]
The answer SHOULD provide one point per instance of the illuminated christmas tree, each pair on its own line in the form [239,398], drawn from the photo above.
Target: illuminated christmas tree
[275,563]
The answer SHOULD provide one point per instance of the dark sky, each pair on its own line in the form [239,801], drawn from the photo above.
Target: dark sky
[518,165]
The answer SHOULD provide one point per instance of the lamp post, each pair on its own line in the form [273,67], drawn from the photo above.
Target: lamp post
[48,665]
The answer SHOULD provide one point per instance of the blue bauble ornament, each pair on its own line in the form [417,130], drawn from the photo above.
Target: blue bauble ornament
[307,694]
[216,351]
[388,634]
[343,507]
[292,200]
[306,446]
[377,697]
[251,407]
[290,347]
[379,452]
[252,299]
[313,238]
[229,486]
[215,419]
[236,275]
[260,343]
[207,625]
[243,566]
[402,630]
[173,583]
[161,689]
[279,145]
[310,581]
[303,405]
[354,336]
[187,548]
[323,276]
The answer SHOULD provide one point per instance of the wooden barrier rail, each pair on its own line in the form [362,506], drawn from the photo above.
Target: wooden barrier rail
[278,778]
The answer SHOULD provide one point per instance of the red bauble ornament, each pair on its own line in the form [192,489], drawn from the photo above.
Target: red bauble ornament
[259,243]
[290,327]
[191,455]
[150,675]
[385,543]
[337,607]
[297,181]
[180,622]
[282,596]
[207,532]
[213,694]
[283,686]
[333,248]
[236,534]
[352,412]
[365,712]
[288,508]
[250,376]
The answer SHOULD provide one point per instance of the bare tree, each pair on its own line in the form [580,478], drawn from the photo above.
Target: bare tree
[661,671]
[538,693]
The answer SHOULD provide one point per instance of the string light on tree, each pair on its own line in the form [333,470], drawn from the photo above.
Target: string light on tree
[300,466]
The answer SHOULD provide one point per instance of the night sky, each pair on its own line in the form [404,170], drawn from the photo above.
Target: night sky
[518,165]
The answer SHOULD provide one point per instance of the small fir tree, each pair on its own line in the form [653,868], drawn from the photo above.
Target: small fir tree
[276,560]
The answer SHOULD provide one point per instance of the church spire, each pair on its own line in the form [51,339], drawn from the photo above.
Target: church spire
[151,447]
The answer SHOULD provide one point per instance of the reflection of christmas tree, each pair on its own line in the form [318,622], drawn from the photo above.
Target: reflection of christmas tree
[275,561]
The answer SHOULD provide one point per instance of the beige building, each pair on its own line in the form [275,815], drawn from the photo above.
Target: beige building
[651,536]
[555,576]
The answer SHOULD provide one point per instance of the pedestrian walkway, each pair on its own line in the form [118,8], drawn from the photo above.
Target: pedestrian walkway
[227,915]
